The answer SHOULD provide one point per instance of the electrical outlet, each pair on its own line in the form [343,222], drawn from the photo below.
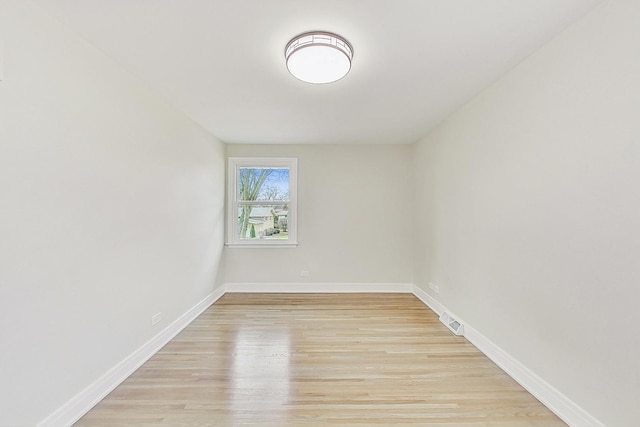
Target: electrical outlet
[437,289]
[430,285]
[156,318]
[304,273]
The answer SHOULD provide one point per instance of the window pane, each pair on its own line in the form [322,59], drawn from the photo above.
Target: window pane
[269,221]
[262,193]
[263,184]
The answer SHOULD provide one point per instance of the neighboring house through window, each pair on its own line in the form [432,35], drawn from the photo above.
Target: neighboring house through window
[262,202]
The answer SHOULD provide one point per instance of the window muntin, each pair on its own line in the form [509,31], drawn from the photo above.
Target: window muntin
[262,202]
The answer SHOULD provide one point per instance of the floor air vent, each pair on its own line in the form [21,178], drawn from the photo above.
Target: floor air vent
[451,323]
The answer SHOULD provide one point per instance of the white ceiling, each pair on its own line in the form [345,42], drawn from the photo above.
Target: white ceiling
[222,61]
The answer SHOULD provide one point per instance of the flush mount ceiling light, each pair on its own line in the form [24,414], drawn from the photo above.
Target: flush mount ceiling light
[318,57]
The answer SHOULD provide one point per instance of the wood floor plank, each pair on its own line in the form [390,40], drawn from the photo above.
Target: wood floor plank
[322,360]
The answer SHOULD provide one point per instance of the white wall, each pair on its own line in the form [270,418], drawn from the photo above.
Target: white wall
[111,210]
[354,215]
[533,195]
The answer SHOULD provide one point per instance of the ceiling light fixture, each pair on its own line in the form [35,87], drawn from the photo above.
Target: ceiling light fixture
[318,57]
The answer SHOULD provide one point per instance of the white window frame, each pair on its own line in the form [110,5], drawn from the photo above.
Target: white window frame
[233,167]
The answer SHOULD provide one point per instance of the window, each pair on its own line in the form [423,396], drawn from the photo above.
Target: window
[262,202]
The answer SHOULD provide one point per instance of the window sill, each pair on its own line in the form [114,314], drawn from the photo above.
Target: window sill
[287,245]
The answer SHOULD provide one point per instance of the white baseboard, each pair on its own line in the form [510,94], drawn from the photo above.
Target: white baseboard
[428,300]
[80,404]
[557,402]
[320,287]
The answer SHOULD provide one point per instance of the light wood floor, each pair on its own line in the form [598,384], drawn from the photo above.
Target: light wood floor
[323,360]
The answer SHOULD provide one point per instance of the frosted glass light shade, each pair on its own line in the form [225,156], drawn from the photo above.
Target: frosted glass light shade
[318,57]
